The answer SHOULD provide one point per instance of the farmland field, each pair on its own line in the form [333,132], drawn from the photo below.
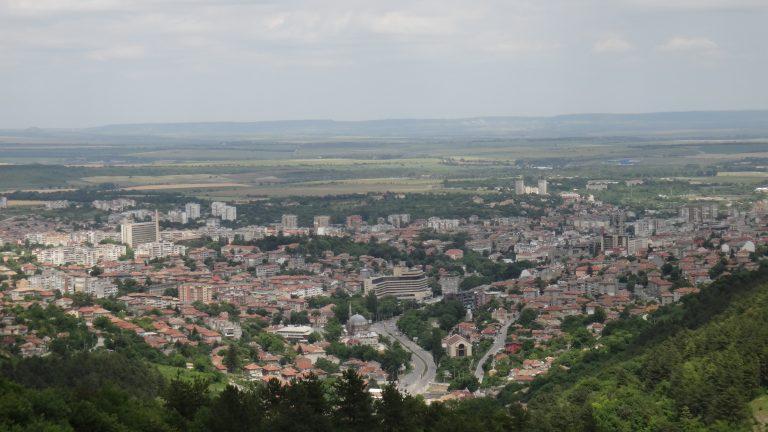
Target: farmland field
[25,203]
[157,180]
[322,188]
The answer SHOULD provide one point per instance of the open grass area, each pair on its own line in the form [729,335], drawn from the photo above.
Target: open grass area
[746,174]
[218,380]
[139,180]
[322,189]
[314,162]
[184,186]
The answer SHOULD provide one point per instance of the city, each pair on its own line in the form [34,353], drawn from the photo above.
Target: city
[446,308]
[366,216]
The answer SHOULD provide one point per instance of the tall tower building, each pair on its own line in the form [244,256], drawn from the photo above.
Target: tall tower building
[134,234]
[229,213]
[542,186]
[290,221]
[217,208]
[192,210]
[520,186]
[322,221]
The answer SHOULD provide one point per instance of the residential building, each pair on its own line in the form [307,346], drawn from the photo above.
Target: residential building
[354,222]
[449,285]
[399,220]
[230,213]
[290,221]
[134,234]
[520,186]
[159,249]
[178,216]
[322,221]
[543,186]
[116,205]
[190,293]
[192,210]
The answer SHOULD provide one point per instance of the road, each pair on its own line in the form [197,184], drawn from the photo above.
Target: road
[498,344]
[423,369]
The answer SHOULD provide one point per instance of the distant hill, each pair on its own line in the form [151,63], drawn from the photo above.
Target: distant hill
[705,123]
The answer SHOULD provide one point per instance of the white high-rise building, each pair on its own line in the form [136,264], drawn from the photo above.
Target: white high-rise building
[542,186]
[178,216]
[322,221]
[224,211]
[192,210]
[134,234]
[290,221]
[217,207]
[229,213]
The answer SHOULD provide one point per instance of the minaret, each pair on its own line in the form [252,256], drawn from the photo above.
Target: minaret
[157,226]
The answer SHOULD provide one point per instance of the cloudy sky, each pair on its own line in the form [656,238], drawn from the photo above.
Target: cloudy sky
[73,63]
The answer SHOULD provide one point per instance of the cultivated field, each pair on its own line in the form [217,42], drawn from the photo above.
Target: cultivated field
[25,203]
[128,180]
[184,186]
[323,188]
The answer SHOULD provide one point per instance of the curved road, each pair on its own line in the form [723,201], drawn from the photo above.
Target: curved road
[498,344]
[424,368]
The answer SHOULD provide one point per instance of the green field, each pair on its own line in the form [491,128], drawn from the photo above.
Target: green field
[218,380]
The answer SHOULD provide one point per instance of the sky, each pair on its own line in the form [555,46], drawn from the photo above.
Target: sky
[79,63]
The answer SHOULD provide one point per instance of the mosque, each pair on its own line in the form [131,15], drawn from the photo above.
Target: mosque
[359,330]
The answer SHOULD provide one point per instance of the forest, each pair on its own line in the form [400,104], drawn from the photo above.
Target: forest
[105,391]
[688,367]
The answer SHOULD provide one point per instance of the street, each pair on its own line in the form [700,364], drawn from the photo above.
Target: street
[498,344]
[423,369]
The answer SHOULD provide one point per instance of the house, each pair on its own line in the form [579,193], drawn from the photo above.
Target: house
[302,363]
[289,373]
[268,358]
[34,347]
[271,370]
[667,298]
[253,371]
[311,351]
[454,254]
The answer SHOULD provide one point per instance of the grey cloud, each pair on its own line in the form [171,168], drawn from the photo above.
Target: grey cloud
[88,62]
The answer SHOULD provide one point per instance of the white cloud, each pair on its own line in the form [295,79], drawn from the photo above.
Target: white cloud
[611,45]
[30,7]
[519,47]
[535,55]
[123,52]
[400,23]
[682,43]
[699,5]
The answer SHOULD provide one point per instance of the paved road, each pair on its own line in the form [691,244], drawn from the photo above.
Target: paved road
[423,365]
[498,344]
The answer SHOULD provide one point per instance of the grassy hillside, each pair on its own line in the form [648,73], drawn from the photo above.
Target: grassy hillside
[688,367]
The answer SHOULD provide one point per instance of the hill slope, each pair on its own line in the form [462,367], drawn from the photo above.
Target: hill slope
[694,366]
